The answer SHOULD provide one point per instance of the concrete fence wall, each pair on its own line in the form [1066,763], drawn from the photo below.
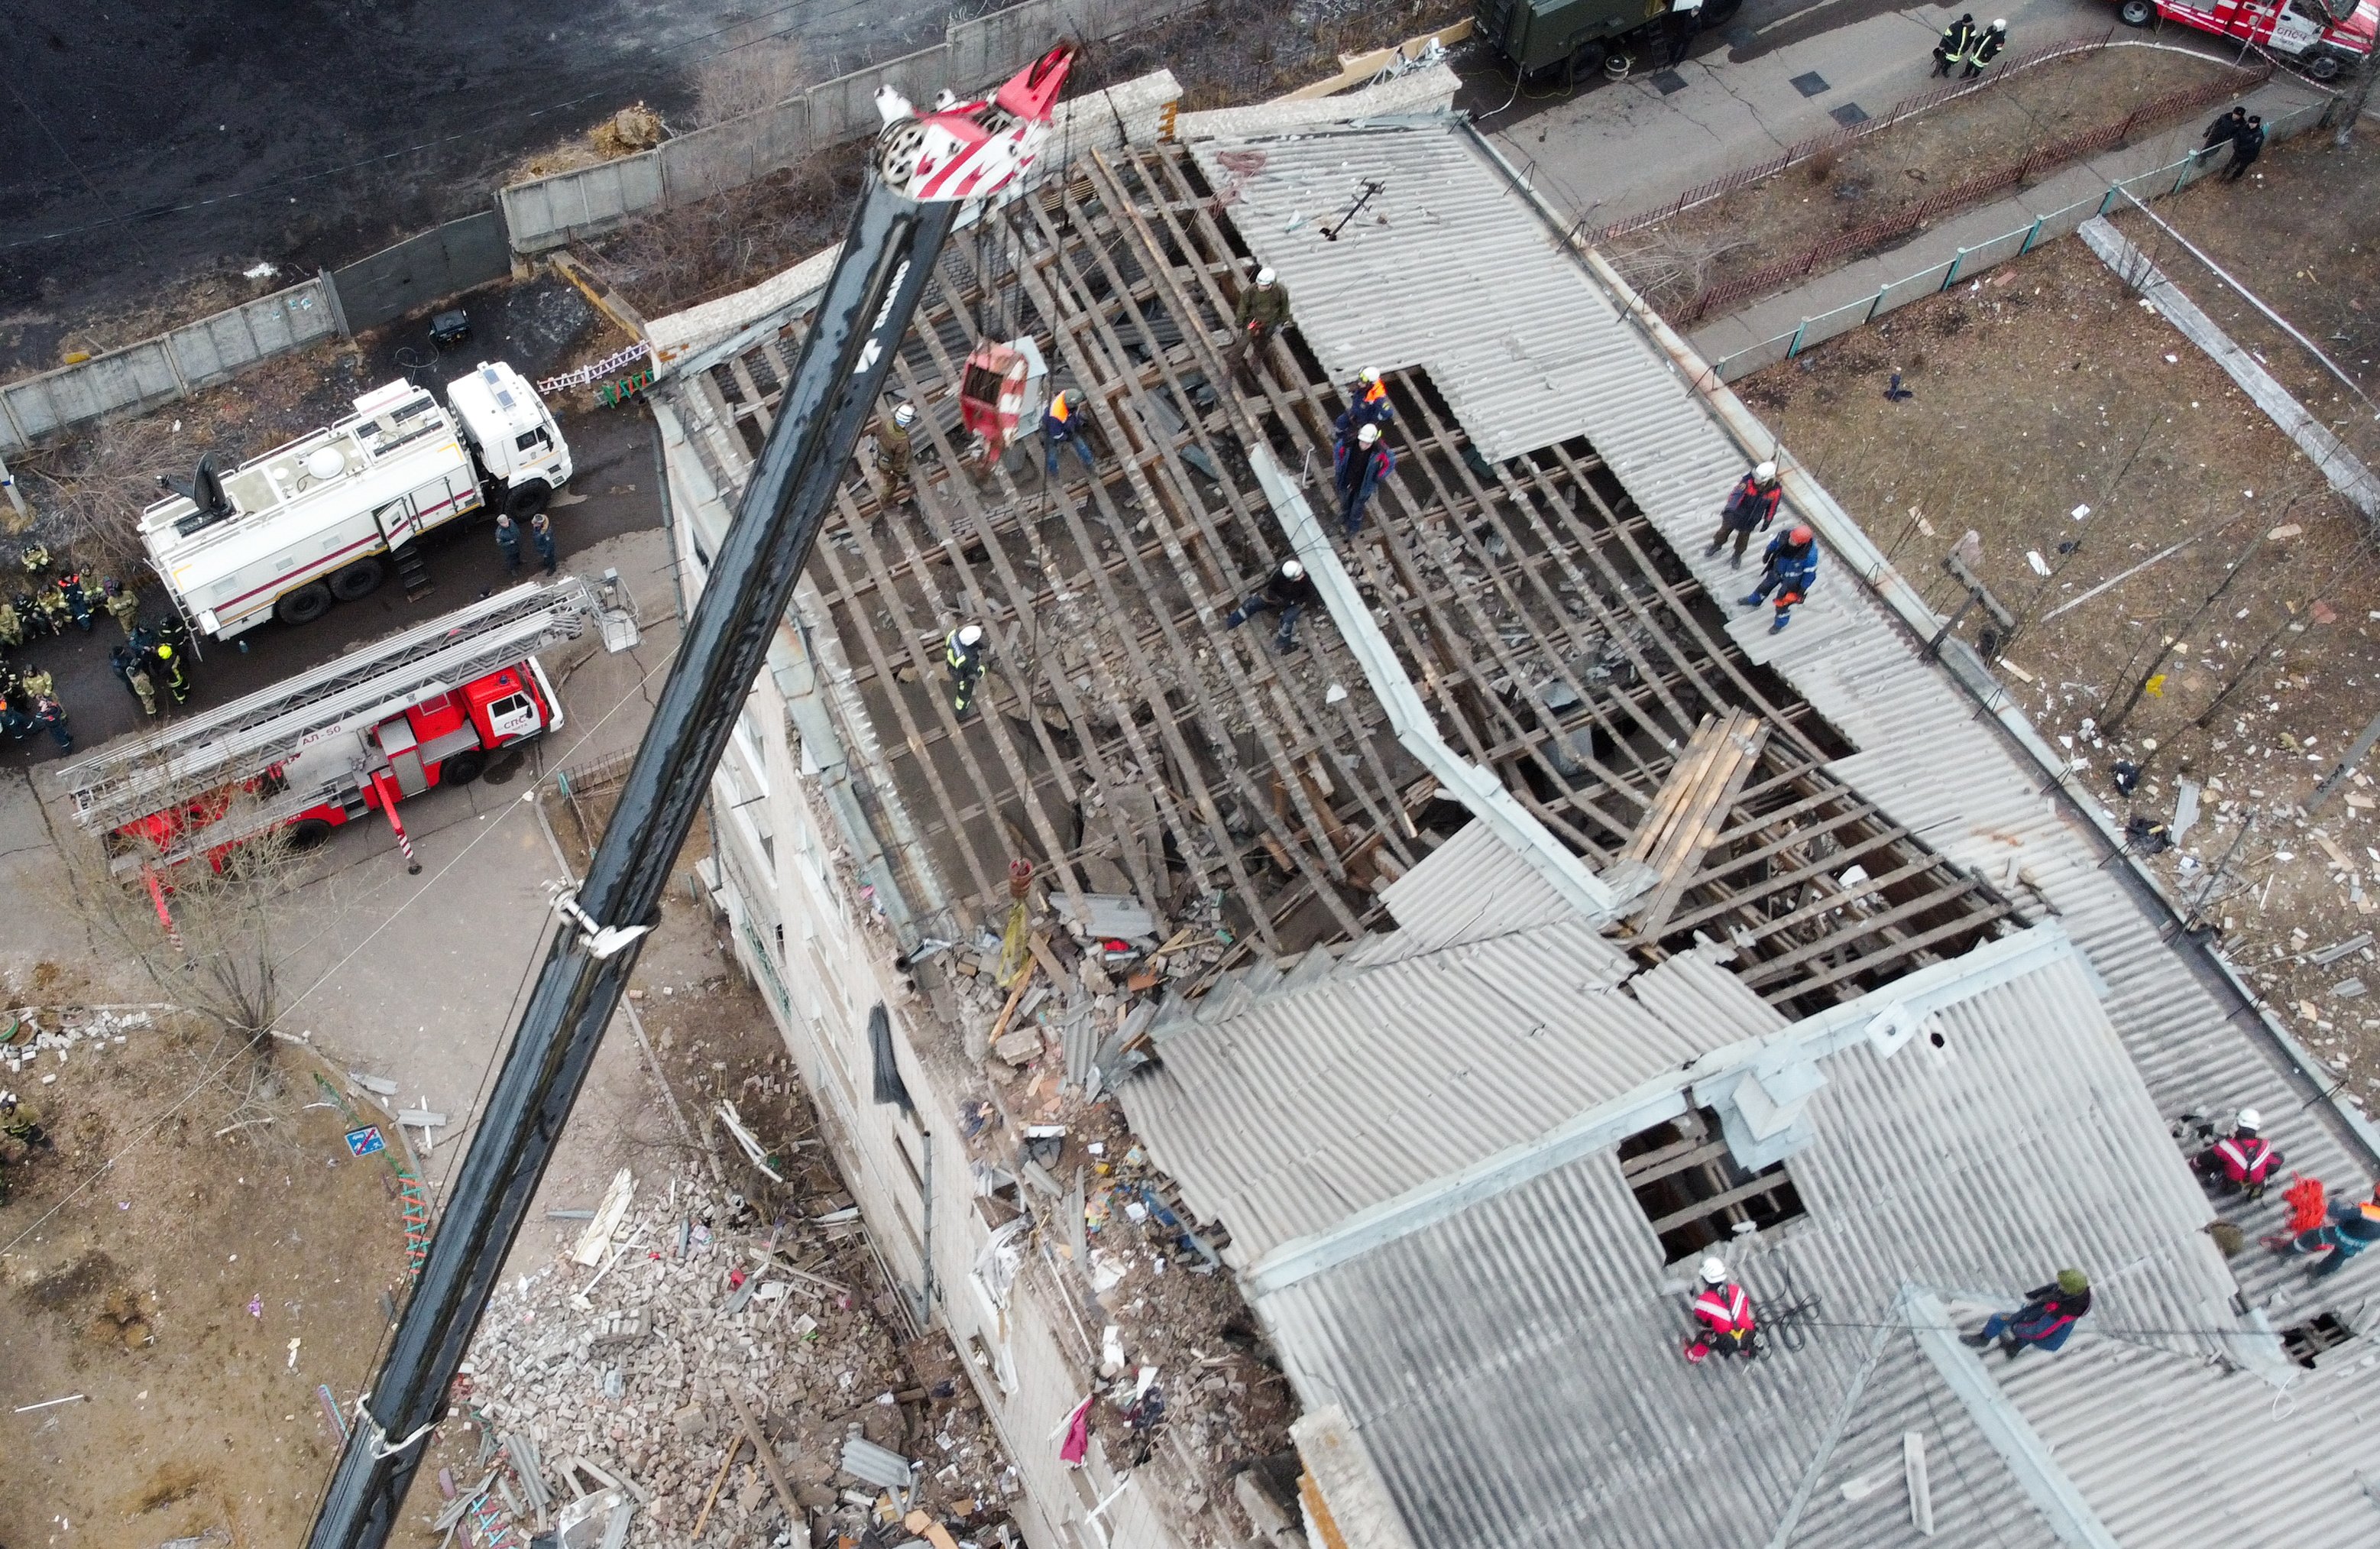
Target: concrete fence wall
[548,213]
[158,371]
[456,257]
[1969,262]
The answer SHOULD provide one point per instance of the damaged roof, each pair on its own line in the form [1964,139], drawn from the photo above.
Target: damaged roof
[1495,1311]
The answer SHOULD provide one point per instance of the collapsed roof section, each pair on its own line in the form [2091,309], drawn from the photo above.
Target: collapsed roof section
[1135,745]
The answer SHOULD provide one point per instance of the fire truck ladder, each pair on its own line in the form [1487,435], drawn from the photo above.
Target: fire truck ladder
[248,735]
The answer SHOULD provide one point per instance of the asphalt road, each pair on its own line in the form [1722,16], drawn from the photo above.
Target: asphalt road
[146,143]
[613,490]
[1778,72]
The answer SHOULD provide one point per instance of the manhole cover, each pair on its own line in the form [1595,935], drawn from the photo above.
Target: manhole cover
[1667,82]
[501,773]
[1810,85]
[1849,114]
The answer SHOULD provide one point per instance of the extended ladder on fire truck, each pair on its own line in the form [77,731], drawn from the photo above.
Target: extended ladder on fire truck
[243,740]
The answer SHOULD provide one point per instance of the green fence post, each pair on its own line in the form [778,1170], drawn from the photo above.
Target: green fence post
[1951,276]
[1880,292]
[2109,198]
[2029,237]
[1795,347]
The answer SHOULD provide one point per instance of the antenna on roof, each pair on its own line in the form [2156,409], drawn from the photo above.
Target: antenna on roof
[1371,187]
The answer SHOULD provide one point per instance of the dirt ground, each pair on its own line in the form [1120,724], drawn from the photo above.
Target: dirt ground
[194,1293]
[1893,170]
[2046,388]
[2302,232]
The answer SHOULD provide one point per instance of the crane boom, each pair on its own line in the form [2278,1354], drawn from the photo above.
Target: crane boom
[923,168]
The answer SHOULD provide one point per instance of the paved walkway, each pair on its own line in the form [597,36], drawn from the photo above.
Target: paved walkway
[1716,339]
[1778,75]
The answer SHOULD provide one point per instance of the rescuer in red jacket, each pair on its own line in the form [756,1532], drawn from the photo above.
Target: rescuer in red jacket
[2240,1162]
[1724,1311]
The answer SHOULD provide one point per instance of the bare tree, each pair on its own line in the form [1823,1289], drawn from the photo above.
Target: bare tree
[209,930]
[1668,267]
[98,484]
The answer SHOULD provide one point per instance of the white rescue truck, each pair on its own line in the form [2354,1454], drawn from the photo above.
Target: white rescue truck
[282,535]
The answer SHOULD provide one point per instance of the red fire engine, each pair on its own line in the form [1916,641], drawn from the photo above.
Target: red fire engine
[424,708]
[2320,36]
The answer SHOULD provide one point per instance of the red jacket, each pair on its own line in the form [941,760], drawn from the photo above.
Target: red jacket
[1724,1309]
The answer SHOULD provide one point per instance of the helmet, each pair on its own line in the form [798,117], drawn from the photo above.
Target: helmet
[1714,1271]
[1999,24]
[111,586]
[2251,1119]
[1293,569]
[1765,472]
[1368,434]
[1800,534]
[971,634]
[905,415]
[1368,376]
[1266,276]
[164,653]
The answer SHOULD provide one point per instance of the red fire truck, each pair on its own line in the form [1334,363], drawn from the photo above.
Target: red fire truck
[2320,36]
[423,708]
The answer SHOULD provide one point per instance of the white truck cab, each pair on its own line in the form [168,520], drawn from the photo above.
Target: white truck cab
[512,433]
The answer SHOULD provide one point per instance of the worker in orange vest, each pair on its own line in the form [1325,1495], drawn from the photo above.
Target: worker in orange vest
[1724,1312]
[1367,404]
[2241,1162]
[1061,425]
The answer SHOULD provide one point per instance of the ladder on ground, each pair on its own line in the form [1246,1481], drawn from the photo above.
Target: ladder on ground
[244,738]
[416,1205]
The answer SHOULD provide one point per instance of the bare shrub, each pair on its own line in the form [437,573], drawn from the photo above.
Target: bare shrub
[90,491]
[748,79]
[1667,268]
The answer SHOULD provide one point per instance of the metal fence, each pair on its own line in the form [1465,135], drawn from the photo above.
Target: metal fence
[548,213]
[455,257]
[1973,190]
[160,370]
[1969,262]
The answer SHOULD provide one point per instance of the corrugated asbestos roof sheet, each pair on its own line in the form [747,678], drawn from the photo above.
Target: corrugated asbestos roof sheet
[1515,1369]
[1312,1104]
[1469,888]
[1444,268]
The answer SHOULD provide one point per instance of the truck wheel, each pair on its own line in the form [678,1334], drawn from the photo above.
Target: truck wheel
[527,500]
[462,768]
[358,579]
[2136,13]
[2324,66]
[304,606]
[306,833]
[1586,61]
[1718,12]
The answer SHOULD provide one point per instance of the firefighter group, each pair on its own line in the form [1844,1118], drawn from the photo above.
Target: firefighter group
[53,595]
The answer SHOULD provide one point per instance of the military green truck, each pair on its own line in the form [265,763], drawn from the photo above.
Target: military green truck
[1576,38]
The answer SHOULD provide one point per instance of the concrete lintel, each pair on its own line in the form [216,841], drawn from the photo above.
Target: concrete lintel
[2029,1458]
[1344,1497]
[1476,788]
[1932,988]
